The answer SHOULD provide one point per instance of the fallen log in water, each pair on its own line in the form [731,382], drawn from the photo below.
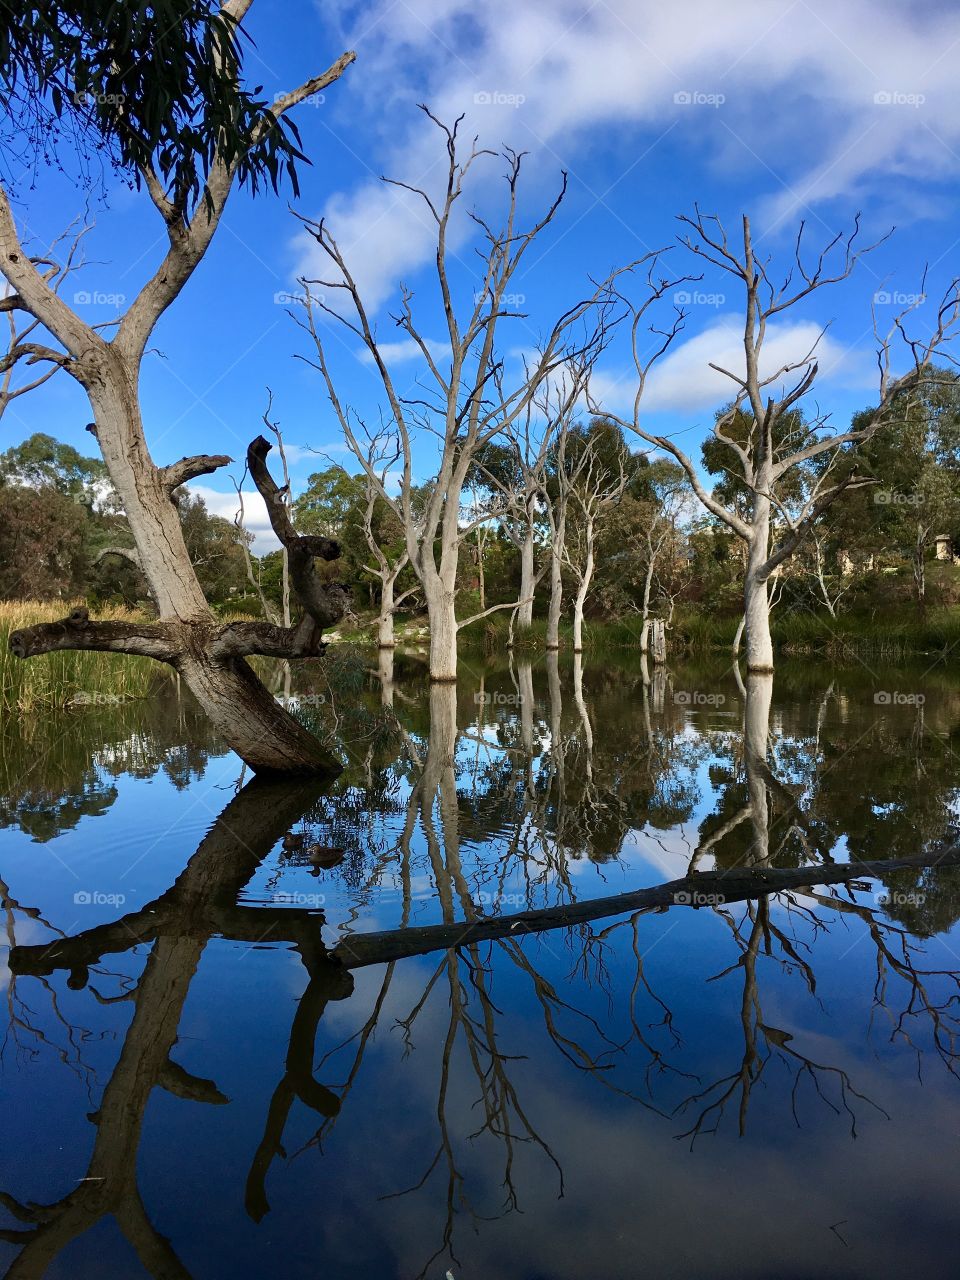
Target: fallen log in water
[167,916]
[708,888]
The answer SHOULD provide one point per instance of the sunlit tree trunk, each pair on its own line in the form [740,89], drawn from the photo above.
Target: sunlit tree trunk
[555,607]
[756,738]
[528,582]
[756,591]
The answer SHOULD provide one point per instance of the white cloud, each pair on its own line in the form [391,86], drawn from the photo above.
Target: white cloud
[313,456]
[256,520]
[819,100]
[684,382]
[382,232]
[405,349]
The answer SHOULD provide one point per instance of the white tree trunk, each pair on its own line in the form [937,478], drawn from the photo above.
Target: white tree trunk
[584,713]
[385,633]
[920,570]
[557,743]
[756,625]
[153,518]
[582,591]
[525,694]
[442,618]
[756,737]
[385,672]
[556,599]
[659,646]
[578,622]
[738,637]
[756,594]
[527,580]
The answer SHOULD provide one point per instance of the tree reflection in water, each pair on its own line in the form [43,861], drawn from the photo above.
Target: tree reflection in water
[491,794]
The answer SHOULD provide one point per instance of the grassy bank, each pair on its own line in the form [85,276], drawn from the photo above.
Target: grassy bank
[55,679]
[492,635]
[888,639]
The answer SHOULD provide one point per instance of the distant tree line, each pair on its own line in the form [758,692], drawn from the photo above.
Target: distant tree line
[890,542]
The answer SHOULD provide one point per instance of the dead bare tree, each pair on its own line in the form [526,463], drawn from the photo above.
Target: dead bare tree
[661,537]
[21,327]
[766,438]
[210,657]
[560,478]
[518,477]
[597,488]
[382,456]
[463,407]
[287,498]
[252,577]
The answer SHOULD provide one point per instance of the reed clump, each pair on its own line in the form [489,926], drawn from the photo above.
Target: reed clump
[68,677]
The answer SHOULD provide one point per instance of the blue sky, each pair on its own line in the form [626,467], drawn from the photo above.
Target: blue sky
[787,111]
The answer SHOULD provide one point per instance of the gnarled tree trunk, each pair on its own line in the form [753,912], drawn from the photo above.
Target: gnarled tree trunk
[208,655]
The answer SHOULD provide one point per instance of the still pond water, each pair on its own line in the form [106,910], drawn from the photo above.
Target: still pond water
[192,1087]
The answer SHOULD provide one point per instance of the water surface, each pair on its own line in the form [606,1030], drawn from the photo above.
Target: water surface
[192,1086]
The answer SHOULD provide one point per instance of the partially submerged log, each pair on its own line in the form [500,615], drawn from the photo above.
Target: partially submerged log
[219,913]
[710,888]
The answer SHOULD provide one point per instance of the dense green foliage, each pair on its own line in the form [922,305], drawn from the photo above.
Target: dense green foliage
[876,575]
[58,513]
[151,87]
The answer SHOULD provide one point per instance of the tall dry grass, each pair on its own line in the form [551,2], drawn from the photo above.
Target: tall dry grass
[56,679]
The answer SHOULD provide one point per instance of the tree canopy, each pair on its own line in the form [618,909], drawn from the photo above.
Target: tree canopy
[151,88]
